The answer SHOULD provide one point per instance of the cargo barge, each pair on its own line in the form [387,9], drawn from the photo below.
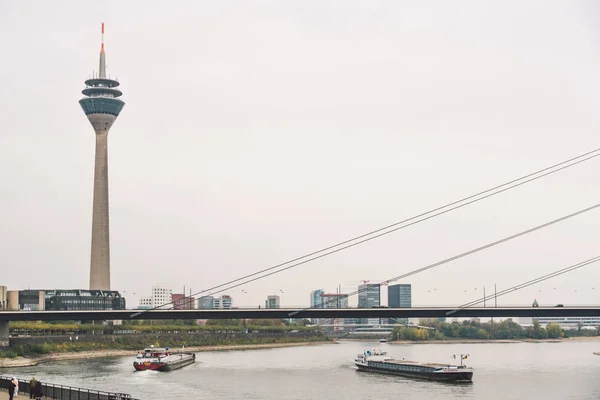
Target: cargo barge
[375,360]
[161,359]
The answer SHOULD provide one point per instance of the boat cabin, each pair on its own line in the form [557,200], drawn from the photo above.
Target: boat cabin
[153,352]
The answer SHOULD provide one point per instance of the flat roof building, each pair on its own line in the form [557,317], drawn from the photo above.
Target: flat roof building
[77,299]
[272,301]
[399,296]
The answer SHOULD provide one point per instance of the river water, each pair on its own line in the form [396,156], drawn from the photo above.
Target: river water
[567,370]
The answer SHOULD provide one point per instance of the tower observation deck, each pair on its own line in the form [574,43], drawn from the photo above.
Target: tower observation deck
[102,107]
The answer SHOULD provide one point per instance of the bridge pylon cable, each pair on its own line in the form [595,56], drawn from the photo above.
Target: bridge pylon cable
[528,283]
[403,224]
[476,250]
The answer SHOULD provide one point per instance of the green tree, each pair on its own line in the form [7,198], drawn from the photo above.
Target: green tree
[554,330]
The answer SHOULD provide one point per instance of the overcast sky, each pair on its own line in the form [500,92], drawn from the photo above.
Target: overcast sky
[256,132]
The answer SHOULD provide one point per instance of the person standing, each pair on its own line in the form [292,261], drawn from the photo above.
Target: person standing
[37,391]
[11,389]
[16,382]
[32,383]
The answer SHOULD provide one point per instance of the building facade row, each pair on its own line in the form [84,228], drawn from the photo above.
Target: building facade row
[223,302]
[61,300]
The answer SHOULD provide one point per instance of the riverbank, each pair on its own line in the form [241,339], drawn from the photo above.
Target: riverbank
[453,341]
[32,361]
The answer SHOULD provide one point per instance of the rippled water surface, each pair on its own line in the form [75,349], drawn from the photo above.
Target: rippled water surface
[567,370]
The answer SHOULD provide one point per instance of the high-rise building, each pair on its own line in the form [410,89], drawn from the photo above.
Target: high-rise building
[315,298]
[369,295]
[272,301]
[223,302]
[102,107]
[399,296]
[316,302]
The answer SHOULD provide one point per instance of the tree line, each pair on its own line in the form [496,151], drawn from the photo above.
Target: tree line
[473,329]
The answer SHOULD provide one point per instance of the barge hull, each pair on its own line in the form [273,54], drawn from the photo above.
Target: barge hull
[186,359]
[466,376]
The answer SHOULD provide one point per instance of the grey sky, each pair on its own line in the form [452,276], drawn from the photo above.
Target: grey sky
[255,132]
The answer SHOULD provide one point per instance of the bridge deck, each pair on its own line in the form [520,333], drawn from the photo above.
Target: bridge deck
[277,313]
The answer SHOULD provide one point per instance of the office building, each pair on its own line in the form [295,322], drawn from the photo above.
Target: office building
[399,296]
[272,301]
[206,303]
[145,303]
[569,322]
[161,296]
[77,300]
[26,300]
[369,295]
[32,300]
[223,302]
[334,300]
[315,298]
[315,302]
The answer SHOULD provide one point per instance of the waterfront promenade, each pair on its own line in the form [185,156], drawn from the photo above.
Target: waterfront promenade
[4,396]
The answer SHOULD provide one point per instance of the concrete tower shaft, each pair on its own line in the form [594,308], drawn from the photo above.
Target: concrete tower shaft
[102,107]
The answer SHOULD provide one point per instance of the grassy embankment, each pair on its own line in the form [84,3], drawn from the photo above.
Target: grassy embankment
[139,336]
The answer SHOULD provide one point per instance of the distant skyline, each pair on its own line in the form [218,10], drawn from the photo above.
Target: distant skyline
[257,132]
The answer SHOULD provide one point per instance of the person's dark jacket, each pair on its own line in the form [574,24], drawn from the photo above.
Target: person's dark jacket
[32,383]
[11,389]
[37,391]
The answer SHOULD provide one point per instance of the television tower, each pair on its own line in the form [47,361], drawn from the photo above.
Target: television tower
[102,107]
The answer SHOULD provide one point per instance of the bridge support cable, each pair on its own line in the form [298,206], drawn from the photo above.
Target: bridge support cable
[404,223]
[478,249]
[528,283]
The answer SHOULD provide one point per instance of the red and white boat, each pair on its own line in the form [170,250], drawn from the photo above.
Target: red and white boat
[160,359]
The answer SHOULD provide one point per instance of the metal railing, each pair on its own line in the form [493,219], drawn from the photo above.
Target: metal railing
[53,391]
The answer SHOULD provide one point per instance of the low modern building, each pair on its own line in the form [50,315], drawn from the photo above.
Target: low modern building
[32,300]
[569,322]
[26,300]
[77,299]
[272,301]
[145,303]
